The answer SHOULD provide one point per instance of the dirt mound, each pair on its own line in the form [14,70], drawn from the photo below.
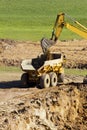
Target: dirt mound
[13,52]
[75,52]
[64,107]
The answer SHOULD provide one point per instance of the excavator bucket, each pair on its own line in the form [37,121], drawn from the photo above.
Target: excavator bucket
[46,44]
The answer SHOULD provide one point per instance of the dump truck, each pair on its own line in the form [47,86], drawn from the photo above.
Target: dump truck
[47,69]
[43,70]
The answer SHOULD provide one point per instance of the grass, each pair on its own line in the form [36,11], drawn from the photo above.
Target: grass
[11,69]
[34,19]
[76,72]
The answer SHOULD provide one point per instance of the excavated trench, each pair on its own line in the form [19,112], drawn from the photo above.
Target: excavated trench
[57,108]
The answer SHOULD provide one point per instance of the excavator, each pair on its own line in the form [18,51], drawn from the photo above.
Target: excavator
[48,68]
[60,23]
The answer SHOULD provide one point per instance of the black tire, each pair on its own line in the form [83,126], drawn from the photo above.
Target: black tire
[61,77]
[45,81]
[53,79]
[24,79]
[85,79]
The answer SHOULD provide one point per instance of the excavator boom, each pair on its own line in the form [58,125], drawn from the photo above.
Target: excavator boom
[57,29]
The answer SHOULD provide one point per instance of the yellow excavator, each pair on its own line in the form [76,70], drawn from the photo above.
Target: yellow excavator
[60,23]
[47,69]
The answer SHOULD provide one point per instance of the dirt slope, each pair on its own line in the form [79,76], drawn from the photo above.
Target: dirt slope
[12,52]
[62,108]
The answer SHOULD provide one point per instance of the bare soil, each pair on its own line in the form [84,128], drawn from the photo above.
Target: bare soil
[63,107]
[13,52]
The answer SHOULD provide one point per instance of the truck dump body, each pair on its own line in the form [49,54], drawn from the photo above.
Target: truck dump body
[36,64]
[33,64]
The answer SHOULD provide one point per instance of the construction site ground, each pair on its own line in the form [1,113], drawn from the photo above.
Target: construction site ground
[63,107]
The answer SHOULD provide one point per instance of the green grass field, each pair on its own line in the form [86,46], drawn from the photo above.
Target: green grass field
[11,69]
[34,19]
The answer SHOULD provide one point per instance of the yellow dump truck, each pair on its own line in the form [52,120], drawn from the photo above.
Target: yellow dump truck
[43,70]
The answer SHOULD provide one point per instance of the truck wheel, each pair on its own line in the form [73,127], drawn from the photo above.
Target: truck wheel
[61,77]
[85,79]
[53,79]
[24,79]
[45,81]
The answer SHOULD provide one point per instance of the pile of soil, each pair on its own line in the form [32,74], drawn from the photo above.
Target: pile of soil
[13,52]
[58,108]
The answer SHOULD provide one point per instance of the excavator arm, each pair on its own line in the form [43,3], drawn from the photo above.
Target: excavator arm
[57,29]
[58,26]
[60,23]
[76,30]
